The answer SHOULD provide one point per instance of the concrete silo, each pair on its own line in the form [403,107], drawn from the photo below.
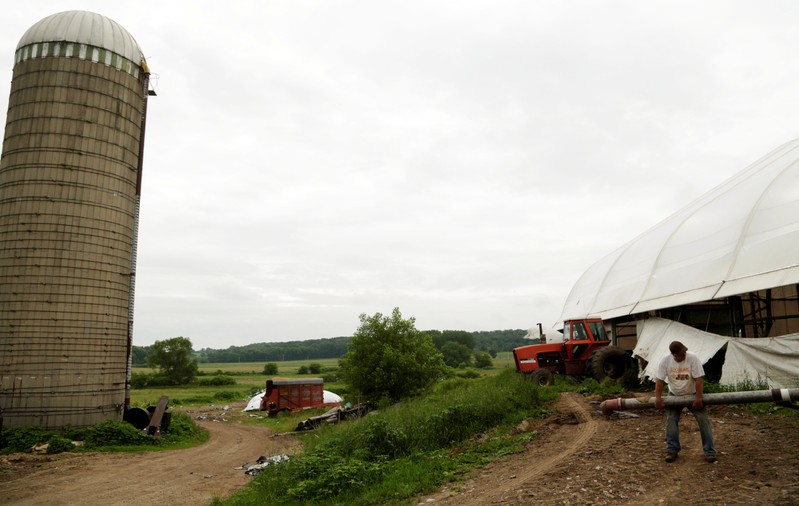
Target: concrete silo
[70,179]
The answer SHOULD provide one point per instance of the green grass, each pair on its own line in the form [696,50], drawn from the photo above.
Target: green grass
[250,379]
[408,449]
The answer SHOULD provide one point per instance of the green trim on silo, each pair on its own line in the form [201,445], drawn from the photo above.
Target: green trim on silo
[65,49]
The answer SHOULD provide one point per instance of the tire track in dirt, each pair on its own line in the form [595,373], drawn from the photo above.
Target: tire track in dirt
[192,476]
[508,480]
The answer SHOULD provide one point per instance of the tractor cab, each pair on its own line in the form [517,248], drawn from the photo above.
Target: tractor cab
[584,351]
[580,339]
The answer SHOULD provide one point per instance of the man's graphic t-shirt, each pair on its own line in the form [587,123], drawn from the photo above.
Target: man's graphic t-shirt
[681,376]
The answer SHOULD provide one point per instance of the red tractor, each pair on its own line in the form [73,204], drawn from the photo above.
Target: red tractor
[585,351]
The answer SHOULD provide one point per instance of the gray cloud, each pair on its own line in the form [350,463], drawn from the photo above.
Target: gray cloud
[310,161]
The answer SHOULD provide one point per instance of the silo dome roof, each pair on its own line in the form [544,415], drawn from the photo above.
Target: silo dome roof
[85,28]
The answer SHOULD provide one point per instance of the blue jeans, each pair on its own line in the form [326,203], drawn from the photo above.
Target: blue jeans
[673,429]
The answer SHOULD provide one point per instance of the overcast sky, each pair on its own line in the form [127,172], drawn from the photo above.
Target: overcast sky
[306,162]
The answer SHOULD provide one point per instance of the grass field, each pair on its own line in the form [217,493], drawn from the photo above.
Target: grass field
[250,379]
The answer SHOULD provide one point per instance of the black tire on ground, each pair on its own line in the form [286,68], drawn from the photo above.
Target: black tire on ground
[608,362]
[138,417]
[543,377]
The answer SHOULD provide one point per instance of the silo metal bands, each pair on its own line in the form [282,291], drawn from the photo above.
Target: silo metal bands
[69,179]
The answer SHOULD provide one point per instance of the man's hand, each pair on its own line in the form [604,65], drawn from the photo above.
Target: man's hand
[700,387]
[659,394]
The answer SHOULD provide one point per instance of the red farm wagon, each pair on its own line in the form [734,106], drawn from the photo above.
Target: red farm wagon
[294,395]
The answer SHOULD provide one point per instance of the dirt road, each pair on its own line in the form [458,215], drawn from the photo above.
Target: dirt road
[188,477]
[580,457]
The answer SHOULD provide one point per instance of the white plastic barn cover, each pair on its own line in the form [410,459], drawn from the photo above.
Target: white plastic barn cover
[741,236]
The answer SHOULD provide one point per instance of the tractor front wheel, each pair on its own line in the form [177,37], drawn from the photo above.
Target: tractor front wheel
[608,362]
[543,377]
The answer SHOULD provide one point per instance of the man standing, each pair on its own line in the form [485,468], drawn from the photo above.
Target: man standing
[684,374]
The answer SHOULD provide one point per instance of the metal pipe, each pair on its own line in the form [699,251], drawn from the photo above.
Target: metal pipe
[673,401]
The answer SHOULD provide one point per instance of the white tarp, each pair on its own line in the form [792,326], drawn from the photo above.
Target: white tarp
[741,236]
[331,398]
[255,402]
[655,334]
[773,360]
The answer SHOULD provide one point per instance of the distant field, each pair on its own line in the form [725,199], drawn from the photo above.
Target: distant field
[289,367]
[250,378]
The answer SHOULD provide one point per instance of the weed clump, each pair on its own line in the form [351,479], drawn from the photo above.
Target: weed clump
[59,444]
[114,433]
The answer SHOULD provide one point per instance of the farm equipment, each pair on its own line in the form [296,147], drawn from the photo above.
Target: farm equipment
[151,421]
[586,350]
[780,396]
[294,395]
[333,416]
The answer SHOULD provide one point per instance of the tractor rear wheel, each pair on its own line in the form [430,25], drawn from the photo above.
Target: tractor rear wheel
[608,362]
[543,377]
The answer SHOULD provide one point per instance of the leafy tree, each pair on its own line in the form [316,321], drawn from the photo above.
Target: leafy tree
[442,337]
[303,369]
[270,369]
[140,354]
[389,358]
[315,368]
[482,360]
[173,358]
[456,354]
[502,340]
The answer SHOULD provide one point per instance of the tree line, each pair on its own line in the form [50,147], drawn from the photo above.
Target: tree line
[490,342]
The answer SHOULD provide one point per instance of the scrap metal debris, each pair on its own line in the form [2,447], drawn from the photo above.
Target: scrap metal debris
[261,464]
[334,415]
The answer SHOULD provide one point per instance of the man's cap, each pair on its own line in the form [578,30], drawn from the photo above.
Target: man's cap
[677,348]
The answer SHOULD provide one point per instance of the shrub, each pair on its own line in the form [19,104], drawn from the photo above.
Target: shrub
[315,368]
[114,433]
[303,369]
[75,433]
[182,428]
[482,360]
[22,439]
[379,438]
[216,381]
[227,395]
[468,374]
[59,444]
[388,357]
[146,380]
[270,369]
[322,476]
